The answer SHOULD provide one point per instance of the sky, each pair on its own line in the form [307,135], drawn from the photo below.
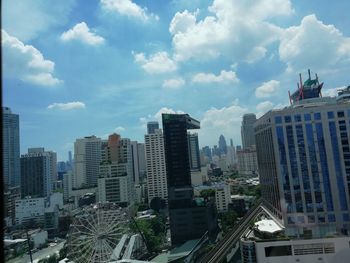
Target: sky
[77,68]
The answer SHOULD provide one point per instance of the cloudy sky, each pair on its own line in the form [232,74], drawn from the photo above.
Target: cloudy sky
[75,68]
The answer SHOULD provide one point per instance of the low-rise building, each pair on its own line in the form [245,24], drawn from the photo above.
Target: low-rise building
[29,209]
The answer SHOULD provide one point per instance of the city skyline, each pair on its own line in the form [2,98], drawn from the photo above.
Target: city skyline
[147,58]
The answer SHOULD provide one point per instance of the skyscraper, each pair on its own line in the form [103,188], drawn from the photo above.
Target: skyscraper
[115,182]
[155,163]
[36,173]
[193,152]
[222,145]
[304,162]
[188,219]
[152,126]
[87,156]
[247,130]
[11,151]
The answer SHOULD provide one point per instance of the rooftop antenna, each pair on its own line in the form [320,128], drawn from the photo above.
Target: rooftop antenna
[309,73]
[301,87]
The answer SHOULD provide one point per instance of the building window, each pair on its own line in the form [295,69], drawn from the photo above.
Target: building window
[340,114]
[317,116]
[330,115]
[307,117]
[278,119]
[297,118]
[287,119]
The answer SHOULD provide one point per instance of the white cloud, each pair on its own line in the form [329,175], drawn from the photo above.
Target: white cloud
[127,8]
[332,92]
[173,83]
[158,115]
[267,89]
[119,129]
[67,106]
[313,45]
[156,63]
[263,107]
[28,19]
[223,77]
[82,33]
[216,121]
[238,29]
[26,62]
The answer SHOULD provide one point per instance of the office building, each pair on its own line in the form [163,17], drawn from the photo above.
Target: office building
[115,182]
[152,126]
[11,150]
[193,151]
[189,218]
[37,167]
[10,196]
[53,160]
[139,161]
[87,156]
[30,210]
[247,130]
[222,145]
[155,163]
[247,161]
[304,162]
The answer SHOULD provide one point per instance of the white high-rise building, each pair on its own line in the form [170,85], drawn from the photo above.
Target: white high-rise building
[155,163]
[87,156]
[115,183]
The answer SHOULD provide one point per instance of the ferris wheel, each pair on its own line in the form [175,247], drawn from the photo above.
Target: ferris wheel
[95,233]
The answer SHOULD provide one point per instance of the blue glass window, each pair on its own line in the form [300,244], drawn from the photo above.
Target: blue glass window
[338,167]
[330,115]
[278,119]
[297,118]
[346,217]
[349,113]
[331,218]
[307,117]
[340,114]
[317,116]
[287,119]
[311,219]
[321,219]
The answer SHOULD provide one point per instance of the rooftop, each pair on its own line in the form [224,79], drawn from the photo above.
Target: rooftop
[267,226]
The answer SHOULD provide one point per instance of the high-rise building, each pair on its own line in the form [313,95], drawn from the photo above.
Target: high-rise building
[87,156]
[247,130]
[222,145]
[207,152]
[155,163]
[188,219]
[10,196]
[37,172]
[139,161]
[304,162]
[53,161]
[152,126]
[11,150]
[115,182]
[247,161]
[193,151]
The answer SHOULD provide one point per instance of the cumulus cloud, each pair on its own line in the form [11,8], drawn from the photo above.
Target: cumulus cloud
[119,129]
[264,107]
[314,45]
[67,106]
[239,29]
[267,89]
[216,121]
[157,116]
[156,63]
[82,33]
[173,83]
[26,62]
[223,77]
[127,8]
[332,92]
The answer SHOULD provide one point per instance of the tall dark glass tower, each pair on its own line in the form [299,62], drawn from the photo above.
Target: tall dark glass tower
[189,218]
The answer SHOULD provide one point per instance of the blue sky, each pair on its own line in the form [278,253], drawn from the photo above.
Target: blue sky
[75,68]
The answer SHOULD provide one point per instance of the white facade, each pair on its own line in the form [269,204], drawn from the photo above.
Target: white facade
[87,156]
[247,161]
[67,184]
[56,199]
[298,250]
[222,197]
[29,208]
[155,163]
[115,183]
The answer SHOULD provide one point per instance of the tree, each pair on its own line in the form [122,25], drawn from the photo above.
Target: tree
[207,193]
[228,220]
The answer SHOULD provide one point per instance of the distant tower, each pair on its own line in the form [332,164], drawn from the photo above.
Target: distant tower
[231,142]
[152,126]
[11,153]
[222,145]
[247,130]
